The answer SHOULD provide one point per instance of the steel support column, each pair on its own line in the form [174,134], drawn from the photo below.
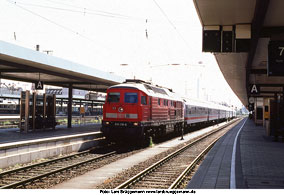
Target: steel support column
[70,102]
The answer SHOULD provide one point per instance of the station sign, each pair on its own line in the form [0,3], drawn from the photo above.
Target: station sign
[254,89]
[275,65]
[251,100]
[39,85]
[211,39]
[227,41]
[82,110]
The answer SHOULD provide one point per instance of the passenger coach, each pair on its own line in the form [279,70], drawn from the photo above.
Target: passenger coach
[199,113]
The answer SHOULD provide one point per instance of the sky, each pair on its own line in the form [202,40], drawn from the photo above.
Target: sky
[131,38]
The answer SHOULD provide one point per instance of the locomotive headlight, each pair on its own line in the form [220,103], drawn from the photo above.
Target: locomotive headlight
[135,124]
[107,123]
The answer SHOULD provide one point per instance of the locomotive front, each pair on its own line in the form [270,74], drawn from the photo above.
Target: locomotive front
[124,109]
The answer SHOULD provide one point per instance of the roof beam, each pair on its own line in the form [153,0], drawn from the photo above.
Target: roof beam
[263,96]
[258,71]
[67,83]
[269,85]
[92,88]
[16,70]
[271,92]
[15,78]
[267,32]
[261,7]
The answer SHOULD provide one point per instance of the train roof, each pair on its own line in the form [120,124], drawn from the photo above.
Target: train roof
[163,92]
[149,89]
[194,102]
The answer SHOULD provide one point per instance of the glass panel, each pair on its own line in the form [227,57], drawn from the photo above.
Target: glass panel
[113,97]
[130,98]
[165,102]
[143,100]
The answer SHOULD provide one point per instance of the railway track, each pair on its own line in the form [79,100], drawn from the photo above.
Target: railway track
[28,176]
[169,172]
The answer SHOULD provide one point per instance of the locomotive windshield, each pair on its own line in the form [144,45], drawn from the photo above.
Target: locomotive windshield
[130,98]
[113,97]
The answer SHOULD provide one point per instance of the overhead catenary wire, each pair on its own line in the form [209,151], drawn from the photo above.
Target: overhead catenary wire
[60,25]
[50,21]
[84,11]
[172,24]
[94,10]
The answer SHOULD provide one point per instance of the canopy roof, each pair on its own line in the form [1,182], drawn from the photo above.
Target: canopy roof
[21,64]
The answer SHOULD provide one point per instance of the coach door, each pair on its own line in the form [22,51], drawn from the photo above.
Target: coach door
[145,111]
[150,107]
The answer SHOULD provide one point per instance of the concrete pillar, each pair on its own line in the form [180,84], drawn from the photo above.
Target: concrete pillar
[70,102]
[61,105]
[259,111]
[265,111]
[92,105]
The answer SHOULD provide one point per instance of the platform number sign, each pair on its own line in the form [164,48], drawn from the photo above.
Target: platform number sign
[39,85]
[275,65]
[254,89]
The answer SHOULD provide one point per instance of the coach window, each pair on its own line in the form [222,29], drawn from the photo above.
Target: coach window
[143,100]
[130,98]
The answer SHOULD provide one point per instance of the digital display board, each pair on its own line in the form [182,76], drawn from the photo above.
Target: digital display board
[275,65]
[211,41]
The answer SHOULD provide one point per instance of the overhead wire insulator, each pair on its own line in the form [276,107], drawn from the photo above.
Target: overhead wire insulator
[146,29]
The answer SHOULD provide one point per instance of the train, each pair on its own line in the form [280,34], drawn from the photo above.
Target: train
[137,110]
[9,106]
[90,110]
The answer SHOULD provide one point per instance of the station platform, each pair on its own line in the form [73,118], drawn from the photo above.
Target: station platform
[253,161]
[19,148]
[14,135]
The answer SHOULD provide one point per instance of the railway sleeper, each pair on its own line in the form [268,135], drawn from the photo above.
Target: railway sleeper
[150,186]
[162,174]
[156,179]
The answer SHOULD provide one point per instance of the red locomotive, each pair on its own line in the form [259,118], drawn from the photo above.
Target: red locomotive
[136,110]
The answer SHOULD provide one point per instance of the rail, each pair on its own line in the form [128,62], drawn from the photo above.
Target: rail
[24,175]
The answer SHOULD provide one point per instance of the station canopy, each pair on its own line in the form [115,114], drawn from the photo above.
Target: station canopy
[238,33]
[21,64]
